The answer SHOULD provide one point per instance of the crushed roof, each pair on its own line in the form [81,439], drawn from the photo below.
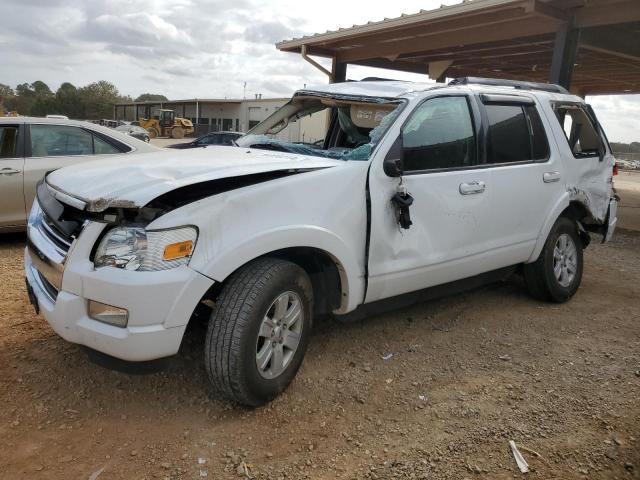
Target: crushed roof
[380,89]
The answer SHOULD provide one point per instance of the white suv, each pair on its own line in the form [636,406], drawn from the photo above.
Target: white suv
[416,186]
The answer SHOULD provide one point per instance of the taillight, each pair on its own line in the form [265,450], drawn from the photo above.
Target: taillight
[615,169]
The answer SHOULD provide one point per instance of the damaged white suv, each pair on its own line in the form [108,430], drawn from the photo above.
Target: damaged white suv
[417,189]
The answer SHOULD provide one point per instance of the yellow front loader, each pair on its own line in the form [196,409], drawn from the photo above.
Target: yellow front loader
[167,125]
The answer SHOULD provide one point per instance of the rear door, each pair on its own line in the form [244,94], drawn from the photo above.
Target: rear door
[51,146]
[12,206]
[527,175]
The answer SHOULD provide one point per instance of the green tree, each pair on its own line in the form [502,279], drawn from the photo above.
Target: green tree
[151,97]
[45,101]
[24,99]
[98,99]
[6,96]
[69,102]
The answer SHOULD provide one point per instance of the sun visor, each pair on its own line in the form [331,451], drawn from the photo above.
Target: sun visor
[369,116]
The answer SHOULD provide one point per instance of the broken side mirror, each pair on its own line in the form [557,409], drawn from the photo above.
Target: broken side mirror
[392,164]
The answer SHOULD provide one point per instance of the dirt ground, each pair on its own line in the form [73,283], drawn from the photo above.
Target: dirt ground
[434,391]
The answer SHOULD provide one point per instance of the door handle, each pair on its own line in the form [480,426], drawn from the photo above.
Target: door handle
[472,188]
[550,177]
[9,171]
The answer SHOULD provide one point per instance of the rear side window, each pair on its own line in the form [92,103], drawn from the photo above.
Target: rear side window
[8,141]
[515,134]
[102,147]
[66,140]
[579,130]
[439,134]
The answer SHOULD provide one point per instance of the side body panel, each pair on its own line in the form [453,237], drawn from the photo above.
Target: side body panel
[456,236]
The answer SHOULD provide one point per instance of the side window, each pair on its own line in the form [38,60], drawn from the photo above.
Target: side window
[8,141]
[508,134]
[580,132]
[539,142]
[515,134]
[439,134]
[60,140]
[102,147]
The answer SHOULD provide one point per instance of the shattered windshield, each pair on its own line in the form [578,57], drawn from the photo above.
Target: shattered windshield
[340,127]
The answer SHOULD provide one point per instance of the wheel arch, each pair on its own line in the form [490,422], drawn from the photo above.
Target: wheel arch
[334,270]
[565,207]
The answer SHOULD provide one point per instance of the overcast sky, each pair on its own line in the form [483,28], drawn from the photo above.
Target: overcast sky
[202,48]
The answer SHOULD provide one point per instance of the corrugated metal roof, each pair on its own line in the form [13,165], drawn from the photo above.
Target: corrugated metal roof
[403,20]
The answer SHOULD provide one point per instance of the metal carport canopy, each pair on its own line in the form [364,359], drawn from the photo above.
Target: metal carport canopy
[588,46]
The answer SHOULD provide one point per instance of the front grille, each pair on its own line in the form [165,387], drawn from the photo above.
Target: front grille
[59,239]
[50,290]
[51,231]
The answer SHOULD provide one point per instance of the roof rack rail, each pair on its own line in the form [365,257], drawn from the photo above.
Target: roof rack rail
[522,85]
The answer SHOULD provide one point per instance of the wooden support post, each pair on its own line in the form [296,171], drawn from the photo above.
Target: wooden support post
[565,51]
[438,69]
[338,71]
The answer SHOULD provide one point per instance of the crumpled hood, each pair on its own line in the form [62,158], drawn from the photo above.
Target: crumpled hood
[133,181]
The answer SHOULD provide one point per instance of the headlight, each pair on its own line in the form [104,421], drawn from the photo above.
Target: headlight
[134,248]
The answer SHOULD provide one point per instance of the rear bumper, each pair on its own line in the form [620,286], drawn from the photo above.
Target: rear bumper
[611,219]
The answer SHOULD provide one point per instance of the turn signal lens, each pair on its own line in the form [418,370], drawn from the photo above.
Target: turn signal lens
[178,250]
[108,313]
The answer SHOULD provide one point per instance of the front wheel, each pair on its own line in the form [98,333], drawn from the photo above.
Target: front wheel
[557,273]
[177,132]
[259,331]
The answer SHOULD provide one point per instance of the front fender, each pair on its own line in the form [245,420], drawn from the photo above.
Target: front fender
[219,265]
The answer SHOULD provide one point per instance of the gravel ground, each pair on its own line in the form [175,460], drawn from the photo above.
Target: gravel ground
[434,391]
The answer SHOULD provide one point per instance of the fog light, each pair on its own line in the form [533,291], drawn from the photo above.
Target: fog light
[108,314]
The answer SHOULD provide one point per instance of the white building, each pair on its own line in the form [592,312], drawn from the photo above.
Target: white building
[238,115]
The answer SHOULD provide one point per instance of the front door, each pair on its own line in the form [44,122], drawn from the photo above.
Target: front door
[12,207]
[449,237]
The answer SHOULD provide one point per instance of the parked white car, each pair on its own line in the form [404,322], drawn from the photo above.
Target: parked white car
[416,187]
[31,147]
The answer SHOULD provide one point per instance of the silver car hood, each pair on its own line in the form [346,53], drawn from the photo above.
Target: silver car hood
[128,182]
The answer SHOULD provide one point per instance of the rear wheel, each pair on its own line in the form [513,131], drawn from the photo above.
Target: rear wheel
[557,273]
[259,331]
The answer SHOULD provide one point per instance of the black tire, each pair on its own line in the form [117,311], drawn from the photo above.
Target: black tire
[233,338]
[540,277]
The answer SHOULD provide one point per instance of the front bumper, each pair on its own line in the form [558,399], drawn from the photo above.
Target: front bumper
[160,304]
